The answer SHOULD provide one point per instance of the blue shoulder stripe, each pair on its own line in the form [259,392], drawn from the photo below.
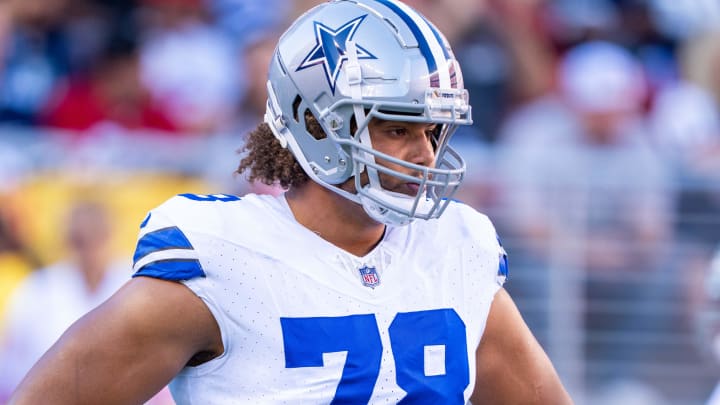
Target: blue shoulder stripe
[503,268]
[146,220]
[161,239]
[172,270]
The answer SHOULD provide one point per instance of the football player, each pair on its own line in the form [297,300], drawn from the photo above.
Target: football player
[363,283]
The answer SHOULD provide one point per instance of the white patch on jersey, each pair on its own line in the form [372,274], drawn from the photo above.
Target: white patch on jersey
[434,360]
[333,365]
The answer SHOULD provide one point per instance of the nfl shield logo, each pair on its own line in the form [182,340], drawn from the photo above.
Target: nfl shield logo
[369,276]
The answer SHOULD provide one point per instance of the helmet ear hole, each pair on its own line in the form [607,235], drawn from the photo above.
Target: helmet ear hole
[313,126]
[295,107]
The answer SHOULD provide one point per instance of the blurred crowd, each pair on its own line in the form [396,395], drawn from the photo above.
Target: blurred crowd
[197,67]
[595,143]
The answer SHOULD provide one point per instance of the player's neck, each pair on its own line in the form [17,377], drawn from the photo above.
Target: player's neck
[335,219]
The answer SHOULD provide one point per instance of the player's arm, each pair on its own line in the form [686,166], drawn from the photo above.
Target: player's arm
[512,367]
[126,350]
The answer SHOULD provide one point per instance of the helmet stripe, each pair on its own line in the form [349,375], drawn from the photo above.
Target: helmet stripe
[432,51]
[439,38]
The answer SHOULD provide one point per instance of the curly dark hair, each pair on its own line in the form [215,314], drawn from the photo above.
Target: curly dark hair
[269,163]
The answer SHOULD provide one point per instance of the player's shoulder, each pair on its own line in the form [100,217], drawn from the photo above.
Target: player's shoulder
[465,221]
[182,219]
[182,204]
[463,225]
[176,234]
[459,226]
[203,213]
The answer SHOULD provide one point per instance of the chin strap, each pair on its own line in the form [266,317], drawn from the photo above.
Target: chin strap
[403,209]
[353,72]
[273,117]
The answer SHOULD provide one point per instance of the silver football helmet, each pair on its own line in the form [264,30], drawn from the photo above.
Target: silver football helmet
[348,61]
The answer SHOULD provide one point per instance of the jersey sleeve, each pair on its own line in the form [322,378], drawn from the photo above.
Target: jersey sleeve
[164,250]
[483,237]
[503,269]
[491,240]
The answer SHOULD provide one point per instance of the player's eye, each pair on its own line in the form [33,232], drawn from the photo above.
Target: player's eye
[398,131]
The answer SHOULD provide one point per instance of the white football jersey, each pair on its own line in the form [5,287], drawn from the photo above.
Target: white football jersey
[305,322]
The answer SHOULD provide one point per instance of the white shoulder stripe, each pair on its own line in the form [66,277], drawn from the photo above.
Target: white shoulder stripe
[169,254]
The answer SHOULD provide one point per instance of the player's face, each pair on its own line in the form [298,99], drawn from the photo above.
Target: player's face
[409,141]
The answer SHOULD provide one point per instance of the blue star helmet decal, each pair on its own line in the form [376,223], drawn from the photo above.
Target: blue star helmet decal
[330,49]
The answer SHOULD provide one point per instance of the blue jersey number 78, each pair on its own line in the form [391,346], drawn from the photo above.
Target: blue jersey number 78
[306,339]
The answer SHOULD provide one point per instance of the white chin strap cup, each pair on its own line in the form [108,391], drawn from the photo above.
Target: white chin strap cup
[396,209]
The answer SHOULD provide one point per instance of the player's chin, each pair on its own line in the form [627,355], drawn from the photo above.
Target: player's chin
[409,189]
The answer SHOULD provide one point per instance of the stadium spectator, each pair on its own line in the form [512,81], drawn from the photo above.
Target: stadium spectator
[110,94]
[243,19]
[34,53]
[588,145]
[190,65]
[514,48]
[582,177]
[686,113]
[686,130]
[52,298]
[257,53]
[16,260]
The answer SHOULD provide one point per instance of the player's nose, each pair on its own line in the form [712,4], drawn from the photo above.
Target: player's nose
[422,151]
